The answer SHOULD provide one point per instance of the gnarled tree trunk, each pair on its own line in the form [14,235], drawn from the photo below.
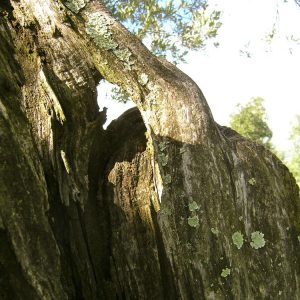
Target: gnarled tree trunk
[164,204]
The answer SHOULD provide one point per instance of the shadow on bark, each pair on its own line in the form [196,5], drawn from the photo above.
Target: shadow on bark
[93,214]
[157,254]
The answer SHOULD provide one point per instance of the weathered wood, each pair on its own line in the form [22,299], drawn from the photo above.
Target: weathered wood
[164,204]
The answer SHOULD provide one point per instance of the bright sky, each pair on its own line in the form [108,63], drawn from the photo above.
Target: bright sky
[227,78]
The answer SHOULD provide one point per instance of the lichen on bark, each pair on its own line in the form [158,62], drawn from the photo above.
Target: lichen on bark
[98,28]
[75,5]
[90,213]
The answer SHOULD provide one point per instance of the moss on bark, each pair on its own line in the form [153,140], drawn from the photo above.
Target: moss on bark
[120,214]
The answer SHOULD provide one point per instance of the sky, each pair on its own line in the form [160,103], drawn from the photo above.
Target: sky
[227,76]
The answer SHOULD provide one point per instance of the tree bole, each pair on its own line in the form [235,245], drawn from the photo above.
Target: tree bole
[163,204]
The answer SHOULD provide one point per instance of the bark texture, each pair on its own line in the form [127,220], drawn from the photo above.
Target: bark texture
[164,204]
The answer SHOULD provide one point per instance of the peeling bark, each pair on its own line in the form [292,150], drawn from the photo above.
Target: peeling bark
[164,204]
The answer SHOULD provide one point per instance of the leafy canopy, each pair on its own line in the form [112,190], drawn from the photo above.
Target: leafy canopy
[168,27]
[251,122]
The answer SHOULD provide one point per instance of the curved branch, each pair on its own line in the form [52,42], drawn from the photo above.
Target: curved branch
[162,92]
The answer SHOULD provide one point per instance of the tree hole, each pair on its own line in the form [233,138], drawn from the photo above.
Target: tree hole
[111,97]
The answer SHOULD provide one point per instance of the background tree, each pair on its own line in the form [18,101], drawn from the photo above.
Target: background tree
[294,163]
[164,204]
[251,122]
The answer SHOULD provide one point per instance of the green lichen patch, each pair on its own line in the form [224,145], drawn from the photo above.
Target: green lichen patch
[166,211]
[193,221]
[238,239]
[193,206]
[168,179]
[252,181]
[125,56]
[225,272]
[215,231]
[98,28]
[143,79]
[154,93]
[162,146]
[258,240]
[75,5]
[189,246]
[163,159]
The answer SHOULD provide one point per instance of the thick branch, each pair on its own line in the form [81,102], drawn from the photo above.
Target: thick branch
[163,93]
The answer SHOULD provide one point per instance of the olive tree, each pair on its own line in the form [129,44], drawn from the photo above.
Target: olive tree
[164,204]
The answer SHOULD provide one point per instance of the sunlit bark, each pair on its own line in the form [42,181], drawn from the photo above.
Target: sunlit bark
[164,204]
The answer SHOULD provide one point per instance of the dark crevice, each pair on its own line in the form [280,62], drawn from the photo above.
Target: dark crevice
[13,284]
[6,9]
[166,275]
[60,228]
[95,218]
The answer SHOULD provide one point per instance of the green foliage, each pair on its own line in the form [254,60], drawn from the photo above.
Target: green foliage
[171,27]
[251,122]
[120,95]
[294,163]
[295,135]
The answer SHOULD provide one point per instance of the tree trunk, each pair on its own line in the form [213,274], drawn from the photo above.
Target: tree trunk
[164,204]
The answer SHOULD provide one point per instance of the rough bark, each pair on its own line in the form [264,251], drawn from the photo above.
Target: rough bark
[164,204]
